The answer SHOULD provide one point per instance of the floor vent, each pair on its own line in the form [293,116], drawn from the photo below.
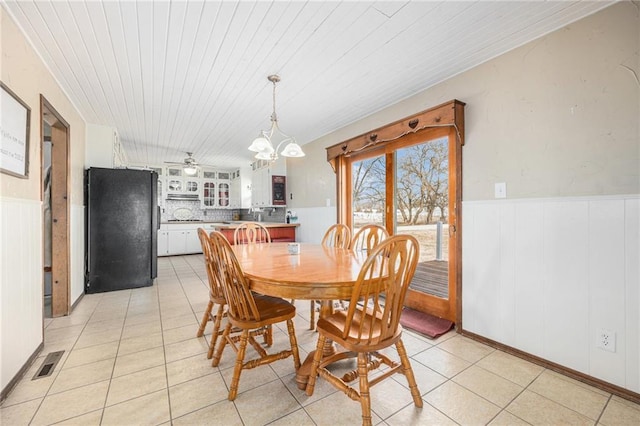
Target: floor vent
[48,365]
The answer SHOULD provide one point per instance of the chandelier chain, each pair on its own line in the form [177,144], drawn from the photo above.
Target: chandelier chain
[274,79]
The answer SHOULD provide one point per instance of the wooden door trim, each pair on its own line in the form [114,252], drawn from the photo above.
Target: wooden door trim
[60,295]
[448,115]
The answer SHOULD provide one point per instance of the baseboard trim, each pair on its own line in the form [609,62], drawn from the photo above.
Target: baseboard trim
[584,378]
[73,307]
[13,382]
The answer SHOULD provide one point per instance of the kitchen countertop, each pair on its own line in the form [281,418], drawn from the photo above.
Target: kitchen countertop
[232,224]
[235,224]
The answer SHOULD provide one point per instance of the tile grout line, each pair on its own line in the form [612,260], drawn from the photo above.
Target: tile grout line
[115,361]
[171,419]
[604,409]
[164,350]
[219,370]
[61,365]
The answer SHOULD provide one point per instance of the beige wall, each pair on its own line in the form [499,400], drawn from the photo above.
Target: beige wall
[21,251]
[24,73]
[556,117]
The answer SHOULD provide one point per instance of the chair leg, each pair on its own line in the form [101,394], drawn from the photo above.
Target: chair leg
[315,364]
[408,372]
[233,390]
[312,315]
[205,319]
[216,330]
[294,344]
[268,336]
[223,343]
[365,398]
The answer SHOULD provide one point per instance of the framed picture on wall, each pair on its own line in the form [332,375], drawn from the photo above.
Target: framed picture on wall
[14,134]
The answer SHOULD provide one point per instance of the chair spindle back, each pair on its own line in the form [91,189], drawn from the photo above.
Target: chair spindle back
[240,301]
[338,235]
[381,289]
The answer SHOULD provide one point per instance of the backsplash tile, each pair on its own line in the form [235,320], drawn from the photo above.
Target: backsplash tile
[197,213]
[168,212]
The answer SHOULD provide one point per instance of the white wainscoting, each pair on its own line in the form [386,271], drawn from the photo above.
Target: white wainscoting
[76,275]
[21,285]
[545,275]
[314,222]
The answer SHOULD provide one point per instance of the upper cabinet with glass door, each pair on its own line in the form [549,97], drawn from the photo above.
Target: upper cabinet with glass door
[179,183]
[208,199]
[224,189]
[175,182]
[216,189]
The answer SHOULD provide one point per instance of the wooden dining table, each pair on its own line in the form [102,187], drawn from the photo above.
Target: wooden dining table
[315,273]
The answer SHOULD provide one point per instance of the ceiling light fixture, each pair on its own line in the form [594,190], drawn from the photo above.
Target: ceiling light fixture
[264,143]
[190,169]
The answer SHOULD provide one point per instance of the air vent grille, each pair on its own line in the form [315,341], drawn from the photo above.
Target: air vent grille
[48,365]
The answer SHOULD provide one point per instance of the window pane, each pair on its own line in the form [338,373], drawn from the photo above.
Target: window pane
[368,192]
[422,205]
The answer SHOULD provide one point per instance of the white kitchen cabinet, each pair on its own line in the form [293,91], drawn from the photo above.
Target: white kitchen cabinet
[191,185]
[192,242]
[178,183]
[240,189]
[163,242]
[174,185]
[224,189]
[176,242]
[176,239]
[216,189]
[261,184]
[208,198]
[183,242]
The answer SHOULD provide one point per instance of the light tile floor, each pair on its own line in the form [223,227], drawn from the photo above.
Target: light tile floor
[131,357]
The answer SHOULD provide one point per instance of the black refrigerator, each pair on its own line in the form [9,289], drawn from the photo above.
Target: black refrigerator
[121,229]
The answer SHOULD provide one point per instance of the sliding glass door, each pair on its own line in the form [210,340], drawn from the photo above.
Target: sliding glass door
[422,210]
[410,187]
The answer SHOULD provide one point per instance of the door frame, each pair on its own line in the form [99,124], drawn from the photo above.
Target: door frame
[60,213]
[445,120]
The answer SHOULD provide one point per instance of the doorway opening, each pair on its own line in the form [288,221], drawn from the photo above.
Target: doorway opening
[46,205]
[54,172]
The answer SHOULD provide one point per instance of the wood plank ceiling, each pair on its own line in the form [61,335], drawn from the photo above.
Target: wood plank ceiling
[177,76]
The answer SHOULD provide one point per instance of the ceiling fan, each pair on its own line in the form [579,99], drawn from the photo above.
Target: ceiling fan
[189,165]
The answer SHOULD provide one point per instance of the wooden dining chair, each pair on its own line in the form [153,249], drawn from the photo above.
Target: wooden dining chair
[338,235]
[371,323]
[216,293]
[367,237]
[251,233]
[249,311]
[216,297]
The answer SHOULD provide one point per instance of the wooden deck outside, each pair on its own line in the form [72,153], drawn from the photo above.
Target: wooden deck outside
[432,277]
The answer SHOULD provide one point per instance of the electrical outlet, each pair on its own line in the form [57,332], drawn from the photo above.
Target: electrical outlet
[606,339]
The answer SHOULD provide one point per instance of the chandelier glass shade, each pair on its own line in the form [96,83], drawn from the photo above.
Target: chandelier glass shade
[263,145]
[190,169]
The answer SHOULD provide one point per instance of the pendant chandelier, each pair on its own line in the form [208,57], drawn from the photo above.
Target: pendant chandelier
[264,143]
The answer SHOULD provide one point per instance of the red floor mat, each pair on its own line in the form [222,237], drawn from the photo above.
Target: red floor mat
[429,325]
